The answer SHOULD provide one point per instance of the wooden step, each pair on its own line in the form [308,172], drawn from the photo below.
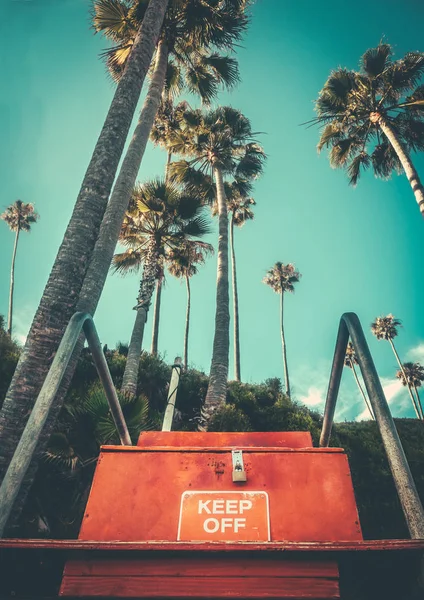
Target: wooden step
[204,576]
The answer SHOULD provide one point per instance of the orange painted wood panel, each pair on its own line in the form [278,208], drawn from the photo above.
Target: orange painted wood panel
[206,566]
[136,495]
[287,439]
[293,588]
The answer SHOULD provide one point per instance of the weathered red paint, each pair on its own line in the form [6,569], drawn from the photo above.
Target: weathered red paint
[136,496]
[196,439]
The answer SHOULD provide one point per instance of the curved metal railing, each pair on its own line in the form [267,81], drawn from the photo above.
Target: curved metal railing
[350,326]
[25,449]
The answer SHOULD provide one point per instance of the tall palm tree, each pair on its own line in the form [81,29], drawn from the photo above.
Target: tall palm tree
[183,262]
[350,362]
[374,117]
[156,312]
[160,218]
[61,294]
[240,207]
[414,373]
[386,328]
[282,278]
[218,143]
[19,217]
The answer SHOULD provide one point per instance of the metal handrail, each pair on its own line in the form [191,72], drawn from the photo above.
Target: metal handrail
[22,457]
[404,482]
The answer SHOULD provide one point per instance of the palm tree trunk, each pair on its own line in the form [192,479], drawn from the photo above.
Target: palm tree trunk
[12,284]
[130,378]
[187,323]
[405,379]
[367,404]
[283,345]
[168,162]
[419,402]
[404,159]
[60,297]
[217,389]
[156,317]
[147,286]
[235,305]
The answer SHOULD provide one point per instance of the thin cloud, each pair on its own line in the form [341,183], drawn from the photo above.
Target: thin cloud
[416,354]
[315,397]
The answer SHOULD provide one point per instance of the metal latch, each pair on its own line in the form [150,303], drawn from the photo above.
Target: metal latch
[239,474]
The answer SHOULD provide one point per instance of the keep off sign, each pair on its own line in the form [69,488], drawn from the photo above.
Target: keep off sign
[224,516]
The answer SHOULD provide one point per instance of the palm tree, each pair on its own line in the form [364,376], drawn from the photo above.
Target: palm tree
[350,362]
[160,218]
[282,278]
[414,373]
[156,312]
[183,261]
[239,205]
[386,328]
[374,117]
[241,211]
[219,143]
[19,217]
[61,294]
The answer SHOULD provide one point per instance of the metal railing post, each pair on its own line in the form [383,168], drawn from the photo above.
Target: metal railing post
[25,449]
[404,482]
[172,395]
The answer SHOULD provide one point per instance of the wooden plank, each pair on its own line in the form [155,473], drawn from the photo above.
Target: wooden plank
[199,587]
[289,439]
[154,546]
[221,450]
[203,566]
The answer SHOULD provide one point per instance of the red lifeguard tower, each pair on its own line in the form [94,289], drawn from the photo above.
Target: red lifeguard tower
[217,515]
[224,504]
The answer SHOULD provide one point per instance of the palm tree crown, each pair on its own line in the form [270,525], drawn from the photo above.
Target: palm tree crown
[19,216]
[414,373]
[192,32]
[183,260]
[282,278]
[352,104]
[220,138]
[385,328]
[350,358]
[160,214]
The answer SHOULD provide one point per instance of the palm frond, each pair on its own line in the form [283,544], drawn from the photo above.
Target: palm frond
[361,160]
[331,134]
[127,262]
[111,18]
[375,60]
[340,152]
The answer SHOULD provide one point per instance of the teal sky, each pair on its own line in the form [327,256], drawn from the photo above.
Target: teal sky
[358,249]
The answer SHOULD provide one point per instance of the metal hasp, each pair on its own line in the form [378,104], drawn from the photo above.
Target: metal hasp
[27,444]
[239,474]
[172,395]
[405,485]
